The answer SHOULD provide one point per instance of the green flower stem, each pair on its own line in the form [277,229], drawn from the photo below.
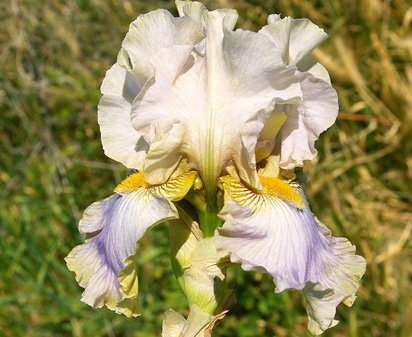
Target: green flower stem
[208,216]
[206,204]
[209,221]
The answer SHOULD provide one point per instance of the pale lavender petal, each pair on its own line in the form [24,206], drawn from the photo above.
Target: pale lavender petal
[113,226]
[266,233]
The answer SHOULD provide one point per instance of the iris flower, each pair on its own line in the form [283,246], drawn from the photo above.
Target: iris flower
[214,122]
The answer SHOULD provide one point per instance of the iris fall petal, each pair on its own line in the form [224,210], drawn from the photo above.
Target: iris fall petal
[104,265]
[271,233]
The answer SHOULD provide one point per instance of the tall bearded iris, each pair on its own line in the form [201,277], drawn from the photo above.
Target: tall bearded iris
[221,118]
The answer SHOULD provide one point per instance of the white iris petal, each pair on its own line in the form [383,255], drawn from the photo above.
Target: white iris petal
[120,220]
[266,233]
[294,37]
[120,140]
[156,44]
[203,92]
[113,226]
[318,110]
[222,100]
[306,121]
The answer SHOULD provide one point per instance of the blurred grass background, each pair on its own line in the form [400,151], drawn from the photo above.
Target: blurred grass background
[53,57]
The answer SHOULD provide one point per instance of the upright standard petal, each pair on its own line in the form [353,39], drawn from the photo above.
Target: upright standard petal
[149,51]
[104,265]
[294,37]
[152,33]
[318,110]
[232,85]
[306,121]
[275,231]
[120,140]
[194,9]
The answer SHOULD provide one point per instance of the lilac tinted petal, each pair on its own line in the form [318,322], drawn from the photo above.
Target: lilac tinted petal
[105,264]
[266,233]
[122,221]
